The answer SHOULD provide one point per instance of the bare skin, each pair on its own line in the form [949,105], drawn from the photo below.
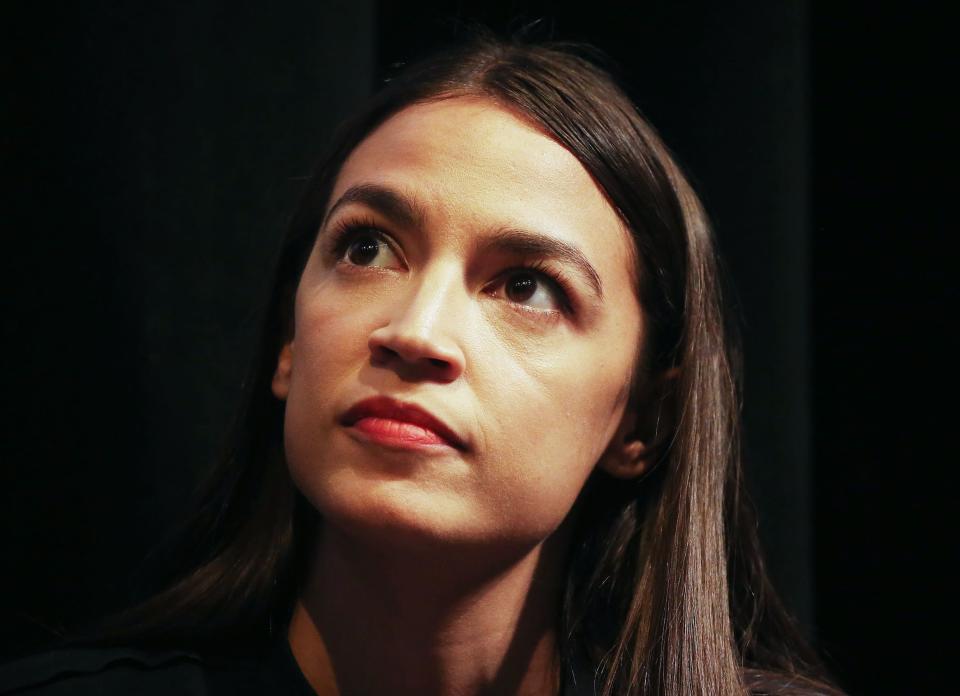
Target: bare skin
[403,635]
[438,570]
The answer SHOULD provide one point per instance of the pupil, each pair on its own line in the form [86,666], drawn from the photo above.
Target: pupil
[363,251]
[522,287]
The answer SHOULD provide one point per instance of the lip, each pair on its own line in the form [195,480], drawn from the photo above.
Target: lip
[385,409]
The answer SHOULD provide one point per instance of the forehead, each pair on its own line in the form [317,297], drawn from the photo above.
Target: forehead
[470,162]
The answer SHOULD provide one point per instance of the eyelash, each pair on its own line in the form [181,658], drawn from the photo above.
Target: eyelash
[344,233]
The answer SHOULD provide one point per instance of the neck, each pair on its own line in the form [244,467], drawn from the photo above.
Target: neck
[370,621]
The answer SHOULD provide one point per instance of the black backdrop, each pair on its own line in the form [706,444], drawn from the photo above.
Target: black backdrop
[152,155]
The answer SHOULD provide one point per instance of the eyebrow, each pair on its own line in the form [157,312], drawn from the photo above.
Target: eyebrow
[406,211]
[384,200]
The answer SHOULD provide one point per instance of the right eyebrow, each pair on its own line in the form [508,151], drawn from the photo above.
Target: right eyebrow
[386,201]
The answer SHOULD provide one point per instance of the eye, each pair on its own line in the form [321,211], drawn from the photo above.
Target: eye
[536,289]
[524,287]
[364,245]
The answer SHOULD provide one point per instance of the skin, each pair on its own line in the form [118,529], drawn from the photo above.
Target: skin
[450,559]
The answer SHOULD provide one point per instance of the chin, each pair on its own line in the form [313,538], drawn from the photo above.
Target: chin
[392,511]
[416,520]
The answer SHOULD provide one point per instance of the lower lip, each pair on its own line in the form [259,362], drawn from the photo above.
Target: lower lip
[394,433]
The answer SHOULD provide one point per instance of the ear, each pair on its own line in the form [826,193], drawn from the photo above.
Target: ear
[627,455]
[281,377]
[638,441]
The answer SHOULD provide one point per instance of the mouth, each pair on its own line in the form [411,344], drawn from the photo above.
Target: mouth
[399,424]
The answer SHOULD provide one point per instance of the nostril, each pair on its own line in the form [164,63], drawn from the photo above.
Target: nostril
[415,357]
[382,353]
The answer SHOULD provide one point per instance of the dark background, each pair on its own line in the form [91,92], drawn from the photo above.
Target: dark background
[151,156]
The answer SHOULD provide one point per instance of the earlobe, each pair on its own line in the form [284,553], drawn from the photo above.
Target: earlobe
[281,376]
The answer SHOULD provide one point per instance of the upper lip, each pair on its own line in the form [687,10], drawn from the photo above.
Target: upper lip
[386,407]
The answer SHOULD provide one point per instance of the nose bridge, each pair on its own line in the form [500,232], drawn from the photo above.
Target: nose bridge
[430,303]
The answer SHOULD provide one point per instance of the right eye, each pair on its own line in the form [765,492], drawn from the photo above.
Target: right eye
[365,246]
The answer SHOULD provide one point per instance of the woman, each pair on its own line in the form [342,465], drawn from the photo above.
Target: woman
[491,437]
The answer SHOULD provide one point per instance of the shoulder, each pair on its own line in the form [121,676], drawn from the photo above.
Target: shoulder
[105,671]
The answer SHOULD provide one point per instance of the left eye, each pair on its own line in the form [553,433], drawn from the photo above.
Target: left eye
[532,289]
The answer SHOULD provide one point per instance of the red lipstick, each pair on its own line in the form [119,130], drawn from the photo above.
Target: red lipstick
[398,424]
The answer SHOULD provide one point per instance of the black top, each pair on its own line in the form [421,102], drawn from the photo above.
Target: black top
[114,671]
[108,671]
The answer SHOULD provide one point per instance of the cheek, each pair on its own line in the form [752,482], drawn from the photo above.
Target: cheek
[327,342]
[322,345]
[331,335]
[551,423]
[580,391]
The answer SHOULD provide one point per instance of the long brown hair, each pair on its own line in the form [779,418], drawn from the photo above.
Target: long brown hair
[665,590]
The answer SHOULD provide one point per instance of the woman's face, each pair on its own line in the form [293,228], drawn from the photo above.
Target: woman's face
[434,282]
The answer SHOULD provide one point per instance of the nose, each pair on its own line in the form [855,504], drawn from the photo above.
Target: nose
[419,339]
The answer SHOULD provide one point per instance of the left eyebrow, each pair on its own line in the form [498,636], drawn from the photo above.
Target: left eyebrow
[525,243]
